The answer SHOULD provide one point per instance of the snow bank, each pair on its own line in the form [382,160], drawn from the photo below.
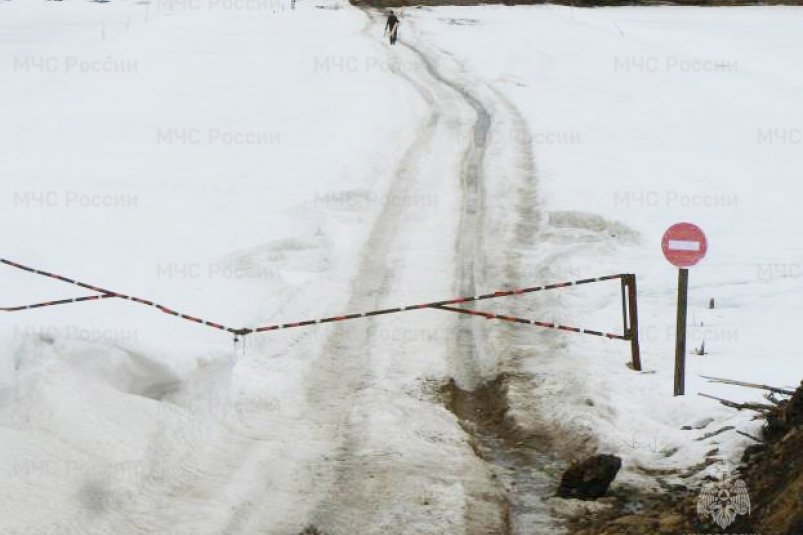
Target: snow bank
[215,157]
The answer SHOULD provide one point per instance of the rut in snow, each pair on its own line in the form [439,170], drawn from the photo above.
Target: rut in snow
[481,403]
[369,485]
[379,489]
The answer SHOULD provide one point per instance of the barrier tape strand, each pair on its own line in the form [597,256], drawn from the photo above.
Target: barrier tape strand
[548,325]
[440,305]
[59,302]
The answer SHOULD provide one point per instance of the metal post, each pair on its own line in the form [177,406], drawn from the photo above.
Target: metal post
[625,321]
[632,301]
[680,340]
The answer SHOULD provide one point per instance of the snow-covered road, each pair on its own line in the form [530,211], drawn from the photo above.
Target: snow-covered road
[400,462]
[389,457]
[184,174]
[343,427]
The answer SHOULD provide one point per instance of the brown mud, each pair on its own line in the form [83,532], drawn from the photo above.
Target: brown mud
[574,3]
[772,471]
[520,459]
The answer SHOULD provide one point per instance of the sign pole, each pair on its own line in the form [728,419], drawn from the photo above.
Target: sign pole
[680,339]
[683,244]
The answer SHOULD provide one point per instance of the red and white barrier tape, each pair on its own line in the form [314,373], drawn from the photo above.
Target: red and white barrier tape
[548,325]
[59,302]
[440,305]
[105,294]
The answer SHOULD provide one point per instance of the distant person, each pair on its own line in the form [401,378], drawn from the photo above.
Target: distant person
[392,27]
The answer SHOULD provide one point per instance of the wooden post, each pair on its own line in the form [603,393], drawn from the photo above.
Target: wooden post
[632,302]
[680,332]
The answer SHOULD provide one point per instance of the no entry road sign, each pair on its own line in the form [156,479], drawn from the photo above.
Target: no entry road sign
[684,244]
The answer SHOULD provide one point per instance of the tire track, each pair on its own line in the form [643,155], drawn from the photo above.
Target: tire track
[480,400]
[470,234]
[363,488]
[345,363]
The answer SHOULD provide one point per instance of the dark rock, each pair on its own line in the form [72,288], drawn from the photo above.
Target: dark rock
[589,479]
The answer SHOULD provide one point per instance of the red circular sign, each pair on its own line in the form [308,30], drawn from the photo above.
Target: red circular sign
[684,244]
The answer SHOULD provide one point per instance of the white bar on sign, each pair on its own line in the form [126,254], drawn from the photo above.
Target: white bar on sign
[684,245]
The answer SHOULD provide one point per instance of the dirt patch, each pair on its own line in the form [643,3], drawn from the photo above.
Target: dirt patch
[486,406]
[574,3]
[774,471]
[520,460]
[773,476]
[481,413]
[486,409]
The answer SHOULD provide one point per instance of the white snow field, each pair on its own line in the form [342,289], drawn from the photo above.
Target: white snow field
[254,164]
[641,118]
